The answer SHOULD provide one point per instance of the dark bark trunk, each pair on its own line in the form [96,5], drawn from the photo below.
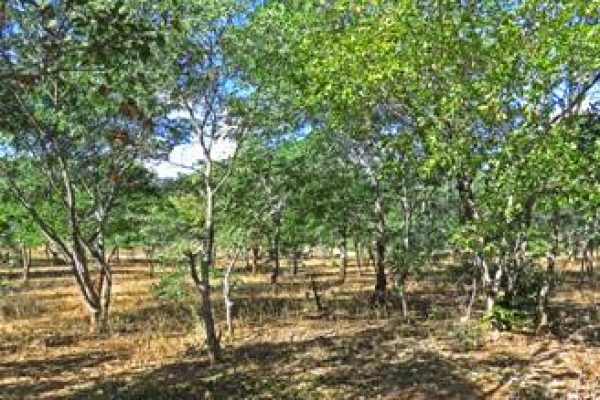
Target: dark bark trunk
[295,260]
[275,252]
[343,257]
[315,291]
[380,293]
[371,260]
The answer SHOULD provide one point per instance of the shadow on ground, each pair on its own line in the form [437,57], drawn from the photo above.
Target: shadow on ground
[356,367]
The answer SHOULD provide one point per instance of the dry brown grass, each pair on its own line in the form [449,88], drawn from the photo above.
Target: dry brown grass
[282,347]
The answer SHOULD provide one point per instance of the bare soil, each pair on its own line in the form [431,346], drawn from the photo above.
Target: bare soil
[282,347]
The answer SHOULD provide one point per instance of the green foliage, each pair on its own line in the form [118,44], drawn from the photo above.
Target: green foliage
[469,335]
[507,317]
[172,285]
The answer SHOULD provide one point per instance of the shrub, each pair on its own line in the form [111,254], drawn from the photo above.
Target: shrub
[172,286]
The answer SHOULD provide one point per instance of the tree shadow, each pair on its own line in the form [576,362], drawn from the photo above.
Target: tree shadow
[348,367]
[47,374]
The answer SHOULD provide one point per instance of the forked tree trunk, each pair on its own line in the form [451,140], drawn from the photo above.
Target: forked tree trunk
[202,282]
[97,295]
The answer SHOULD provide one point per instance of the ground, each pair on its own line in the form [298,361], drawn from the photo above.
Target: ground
[282,348]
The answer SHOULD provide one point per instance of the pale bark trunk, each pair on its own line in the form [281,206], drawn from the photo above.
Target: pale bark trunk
[226,295]
[471,298]
[491,285]
[26,262]
[203,282]
[358,257]
[255,250]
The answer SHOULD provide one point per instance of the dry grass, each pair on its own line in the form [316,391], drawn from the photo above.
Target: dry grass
[282,347]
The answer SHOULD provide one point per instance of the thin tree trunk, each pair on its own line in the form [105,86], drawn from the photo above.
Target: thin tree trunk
[255,250]
[275,251]
[380,293]
[295,260]
[400,287]
[544,293]
[371,259]
[343,257]
[317,297]
[203,283]
[26,262]
[226,294]
[492,285]
[247,258]
[358,257]
[48,255]
[471,298]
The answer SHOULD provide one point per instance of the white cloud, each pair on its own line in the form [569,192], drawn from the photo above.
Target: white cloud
[185,157]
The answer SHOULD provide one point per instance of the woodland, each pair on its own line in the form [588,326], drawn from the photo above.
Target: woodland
[299,199]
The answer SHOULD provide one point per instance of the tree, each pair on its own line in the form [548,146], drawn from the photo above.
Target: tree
[209,95]
[74,114]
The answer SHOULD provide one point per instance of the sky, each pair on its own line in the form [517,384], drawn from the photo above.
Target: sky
[184,157]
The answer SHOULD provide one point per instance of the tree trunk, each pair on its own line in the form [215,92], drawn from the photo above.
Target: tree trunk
[26,262]
[400,283]
[226,294]
[315,291]
[255,250]
[491,285]
[544,293]
[203,282]
[48,255]
[380,294]
[371,259]
[471,298]
[150,261]
[343,257]
[87,289]
[358,257]
[275,252]
[295,259]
